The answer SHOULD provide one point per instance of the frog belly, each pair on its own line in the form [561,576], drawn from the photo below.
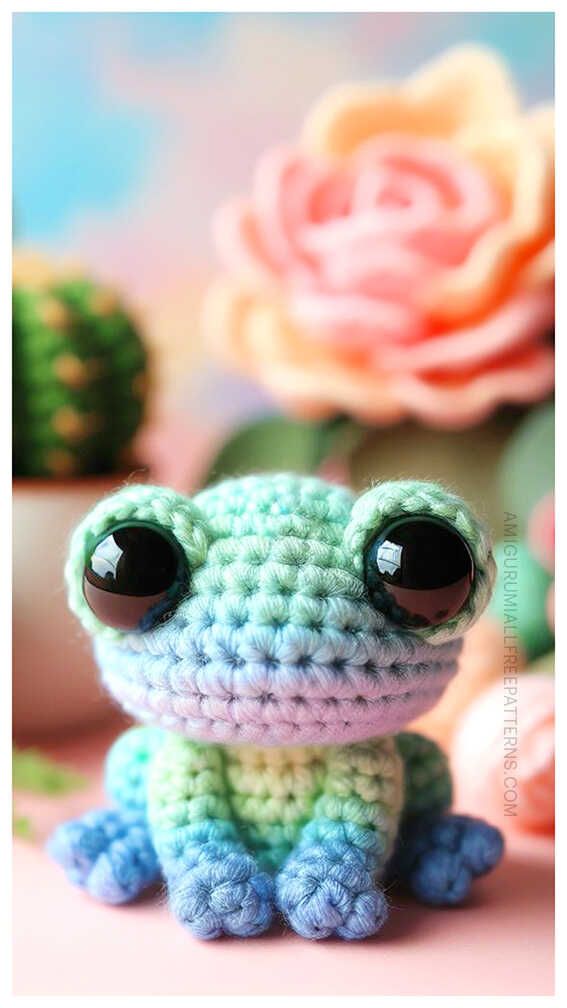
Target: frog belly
[274,792]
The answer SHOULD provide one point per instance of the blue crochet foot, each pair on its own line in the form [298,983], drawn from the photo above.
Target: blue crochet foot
[215,886]
[107,852]
[439,856]
[327,885]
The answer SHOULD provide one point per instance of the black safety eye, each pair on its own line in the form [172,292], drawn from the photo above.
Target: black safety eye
[419,571]
[134,576]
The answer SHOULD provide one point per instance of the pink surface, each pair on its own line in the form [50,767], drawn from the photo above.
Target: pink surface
[64,943]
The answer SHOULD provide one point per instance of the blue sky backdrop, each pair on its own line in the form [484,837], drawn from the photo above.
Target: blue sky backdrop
[86,143]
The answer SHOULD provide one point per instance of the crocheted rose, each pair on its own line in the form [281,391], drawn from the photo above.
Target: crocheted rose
[399,261]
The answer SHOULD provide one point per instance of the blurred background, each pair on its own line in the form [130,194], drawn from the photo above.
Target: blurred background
[130,129]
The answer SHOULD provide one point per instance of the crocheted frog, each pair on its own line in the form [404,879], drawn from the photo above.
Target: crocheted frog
[275,635]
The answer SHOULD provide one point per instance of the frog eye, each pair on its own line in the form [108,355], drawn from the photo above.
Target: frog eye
[134,576]
[419,571]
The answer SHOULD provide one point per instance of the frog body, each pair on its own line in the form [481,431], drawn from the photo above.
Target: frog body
[271,772]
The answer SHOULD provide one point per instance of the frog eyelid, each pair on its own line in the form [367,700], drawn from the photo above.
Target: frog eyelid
[164,509]
[385,502]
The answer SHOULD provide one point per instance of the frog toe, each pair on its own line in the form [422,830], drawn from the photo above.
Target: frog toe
[440,878]
[439,856]
[224,895]
[323,893]
[107,853]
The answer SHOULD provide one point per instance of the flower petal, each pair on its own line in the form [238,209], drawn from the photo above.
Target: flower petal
[238,242]
[518,322]
[522,169]
[524,379]
[356,319]
[541,119]
[314,382]
[466,84]
[284,186]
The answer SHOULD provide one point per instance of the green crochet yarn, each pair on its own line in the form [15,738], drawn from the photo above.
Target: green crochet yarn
[257,519]
[427,777]
[395,498]
[280,781]
[270,794]
[78,378]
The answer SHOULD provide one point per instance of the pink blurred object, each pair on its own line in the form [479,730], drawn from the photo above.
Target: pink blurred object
[541,532]
[488,776]
[177,449]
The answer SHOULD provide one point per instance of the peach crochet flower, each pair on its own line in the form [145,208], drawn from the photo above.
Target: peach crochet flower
[399,261]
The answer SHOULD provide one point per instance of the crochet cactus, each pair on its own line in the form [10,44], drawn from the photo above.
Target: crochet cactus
[79,370]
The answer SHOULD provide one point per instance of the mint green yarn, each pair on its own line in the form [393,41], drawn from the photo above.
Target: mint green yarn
[427,777]
[386,501]
[170,510]
[264,513]
[277,781]
[270,794]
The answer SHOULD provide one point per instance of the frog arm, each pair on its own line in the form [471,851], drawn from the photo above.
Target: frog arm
[109,851]
[214,884]
[328,884]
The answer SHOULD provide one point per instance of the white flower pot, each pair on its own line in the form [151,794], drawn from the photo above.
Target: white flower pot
[55,681]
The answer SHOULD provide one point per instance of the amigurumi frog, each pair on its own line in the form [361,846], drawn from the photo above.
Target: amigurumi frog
[275,634]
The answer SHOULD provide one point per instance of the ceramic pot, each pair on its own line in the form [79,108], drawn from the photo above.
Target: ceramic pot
[55,682]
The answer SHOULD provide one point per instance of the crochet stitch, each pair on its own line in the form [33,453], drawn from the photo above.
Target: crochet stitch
[79,377]
[272,774]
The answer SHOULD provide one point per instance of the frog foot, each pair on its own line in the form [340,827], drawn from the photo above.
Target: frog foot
[439,856]
[108,853]
[328,889]
[215,887]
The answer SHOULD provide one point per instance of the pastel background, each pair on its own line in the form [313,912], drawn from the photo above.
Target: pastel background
[130,129]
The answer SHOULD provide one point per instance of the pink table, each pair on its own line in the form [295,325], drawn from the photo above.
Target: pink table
[64,943]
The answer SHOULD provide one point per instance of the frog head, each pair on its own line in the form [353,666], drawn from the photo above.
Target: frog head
[279,609]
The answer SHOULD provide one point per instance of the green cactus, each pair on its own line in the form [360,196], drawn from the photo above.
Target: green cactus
[79,370]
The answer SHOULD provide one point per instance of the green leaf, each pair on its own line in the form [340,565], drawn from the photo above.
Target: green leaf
[275,443]
[31,771]
[22,827]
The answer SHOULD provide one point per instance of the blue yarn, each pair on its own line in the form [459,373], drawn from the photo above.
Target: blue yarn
[327,885]
[127,763]
[441,878]
[439,856]
[215,886]
[108,853]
